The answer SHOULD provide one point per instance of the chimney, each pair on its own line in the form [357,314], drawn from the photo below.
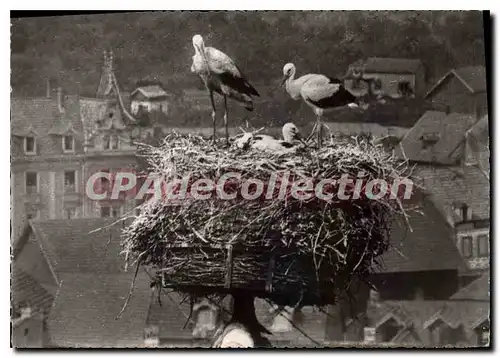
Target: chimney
[26,312]
[47,88]
[110,60]
[60,103]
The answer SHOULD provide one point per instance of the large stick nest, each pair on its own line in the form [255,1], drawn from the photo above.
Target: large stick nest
[285,250]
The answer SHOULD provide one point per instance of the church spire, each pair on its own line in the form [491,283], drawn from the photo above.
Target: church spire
[106,83]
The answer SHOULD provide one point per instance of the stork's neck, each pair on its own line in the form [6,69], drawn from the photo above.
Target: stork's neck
[293,86]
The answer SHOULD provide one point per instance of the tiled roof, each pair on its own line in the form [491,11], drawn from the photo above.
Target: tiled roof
[481,130]
[391,65]
[429,247]
[420,314]
[41,116]
[29,257]
[473,78]
[71,246]
[478,144]
[477,290]
[451,187]
[86,307]
[32,115]
[396,112]
[436,137]
[454,313]
[25,288]
[152,91]
[70,120]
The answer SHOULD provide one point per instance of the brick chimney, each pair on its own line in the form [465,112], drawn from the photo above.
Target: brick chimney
[60,100]
[48,92]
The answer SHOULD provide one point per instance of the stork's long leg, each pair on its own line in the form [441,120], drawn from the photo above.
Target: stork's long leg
[213,113]
[313,131]
[225,120]
[319,129]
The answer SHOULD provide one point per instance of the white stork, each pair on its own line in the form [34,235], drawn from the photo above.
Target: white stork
[318,91]
[220,74]
[267,143]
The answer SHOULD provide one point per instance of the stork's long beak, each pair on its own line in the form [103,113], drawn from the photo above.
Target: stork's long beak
[285,77]
[282,82]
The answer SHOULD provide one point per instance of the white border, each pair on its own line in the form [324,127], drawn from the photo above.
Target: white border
[199,5]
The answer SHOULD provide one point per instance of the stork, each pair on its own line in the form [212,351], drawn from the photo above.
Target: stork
[221,75]
[267,143]
[318,91]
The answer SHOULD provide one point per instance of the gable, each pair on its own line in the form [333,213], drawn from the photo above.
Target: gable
[470,79]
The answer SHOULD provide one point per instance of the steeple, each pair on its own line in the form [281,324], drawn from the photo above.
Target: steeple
[106,83]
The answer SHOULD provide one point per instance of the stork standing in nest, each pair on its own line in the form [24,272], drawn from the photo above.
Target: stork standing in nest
[318,91]
[221,75]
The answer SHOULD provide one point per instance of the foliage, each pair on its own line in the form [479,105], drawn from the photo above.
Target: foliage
[157,45]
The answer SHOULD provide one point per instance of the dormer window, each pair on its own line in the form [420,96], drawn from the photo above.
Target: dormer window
[68,144]
[429,139]
[29,145]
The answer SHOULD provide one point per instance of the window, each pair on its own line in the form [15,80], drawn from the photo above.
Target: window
[404,89]
[356,83]
[70,213]
[110,142]
[105,212]
[26,331]
[68,143]
[115,212]
[467,247]
[70,181]
[31,182]
[108,211]
[482,245]
[29,145]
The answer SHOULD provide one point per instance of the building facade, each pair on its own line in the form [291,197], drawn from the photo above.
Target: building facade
[59,141]
[398,77]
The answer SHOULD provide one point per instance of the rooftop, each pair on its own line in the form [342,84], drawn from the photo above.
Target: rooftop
[389,65]
[429,246]
[436,137]
[419,315]
[477,290]
[451,187]
[472,77]
[151,92]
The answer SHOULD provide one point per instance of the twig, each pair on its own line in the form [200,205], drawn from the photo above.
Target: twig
[130,292]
